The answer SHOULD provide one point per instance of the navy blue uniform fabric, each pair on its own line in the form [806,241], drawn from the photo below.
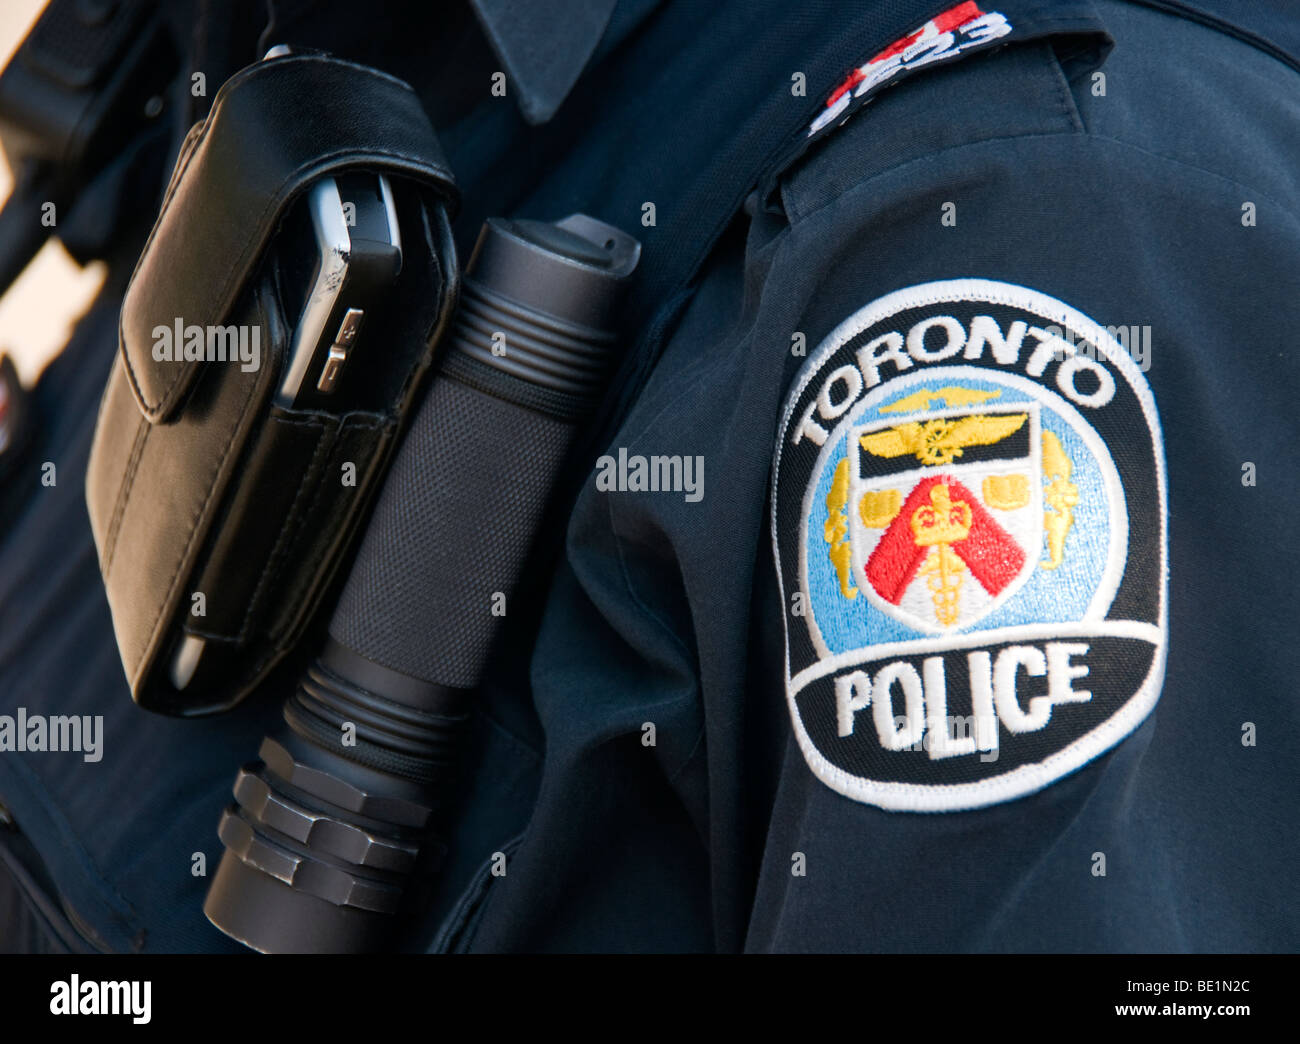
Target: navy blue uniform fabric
[1126,205]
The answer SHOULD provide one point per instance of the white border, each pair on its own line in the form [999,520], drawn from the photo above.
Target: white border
[917,797]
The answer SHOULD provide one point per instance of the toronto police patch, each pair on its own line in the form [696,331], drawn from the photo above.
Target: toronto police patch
[968,517]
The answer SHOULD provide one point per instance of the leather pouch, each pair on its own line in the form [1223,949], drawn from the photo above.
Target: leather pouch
[219,513]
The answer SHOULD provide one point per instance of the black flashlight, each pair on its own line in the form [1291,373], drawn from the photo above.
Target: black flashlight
[332,822]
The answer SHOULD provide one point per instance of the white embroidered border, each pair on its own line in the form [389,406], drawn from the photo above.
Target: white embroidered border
[916,797]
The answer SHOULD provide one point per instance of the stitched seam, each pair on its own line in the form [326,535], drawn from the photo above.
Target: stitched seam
[289,531]
[631,589]
[253,70]
[991,142]
[336,446]
[1205,20]
[176,577]
[178,176]
[424,358]
[457,933]
[1120,142]
[276,651]
[1069,108]
[695,748]
[423,165]
[198,139]
[242,262]
[997,52]
[124,492]
[519,840]
[331,447]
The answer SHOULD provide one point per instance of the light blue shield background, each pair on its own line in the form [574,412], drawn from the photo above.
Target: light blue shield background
[1049,596]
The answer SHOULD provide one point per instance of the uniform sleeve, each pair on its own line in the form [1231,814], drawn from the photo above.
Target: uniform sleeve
[971,593]
[1027,370]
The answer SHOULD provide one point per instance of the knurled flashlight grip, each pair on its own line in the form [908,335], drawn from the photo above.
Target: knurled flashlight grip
[329,825]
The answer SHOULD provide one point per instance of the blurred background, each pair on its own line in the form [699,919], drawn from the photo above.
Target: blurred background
[37,313]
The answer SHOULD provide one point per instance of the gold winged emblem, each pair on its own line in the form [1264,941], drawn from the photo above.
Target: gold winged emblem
[1062,498]
[836,531]
[941,441]
[943,522]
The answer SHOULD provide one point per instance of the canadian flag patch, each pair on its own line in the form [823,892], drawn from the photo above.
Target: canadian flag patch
[945,36]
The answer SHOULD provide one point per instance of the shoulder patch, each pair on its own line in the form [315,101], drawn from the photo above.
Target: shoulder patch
[960,28]
[969,524]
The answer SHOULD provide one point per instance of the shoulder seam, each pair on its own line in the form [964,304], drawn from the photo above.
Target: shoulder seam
[989,142]
[1066,109]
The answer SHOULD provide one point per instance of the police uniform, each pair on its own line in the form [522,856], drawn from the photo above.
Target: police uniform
[928,584]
